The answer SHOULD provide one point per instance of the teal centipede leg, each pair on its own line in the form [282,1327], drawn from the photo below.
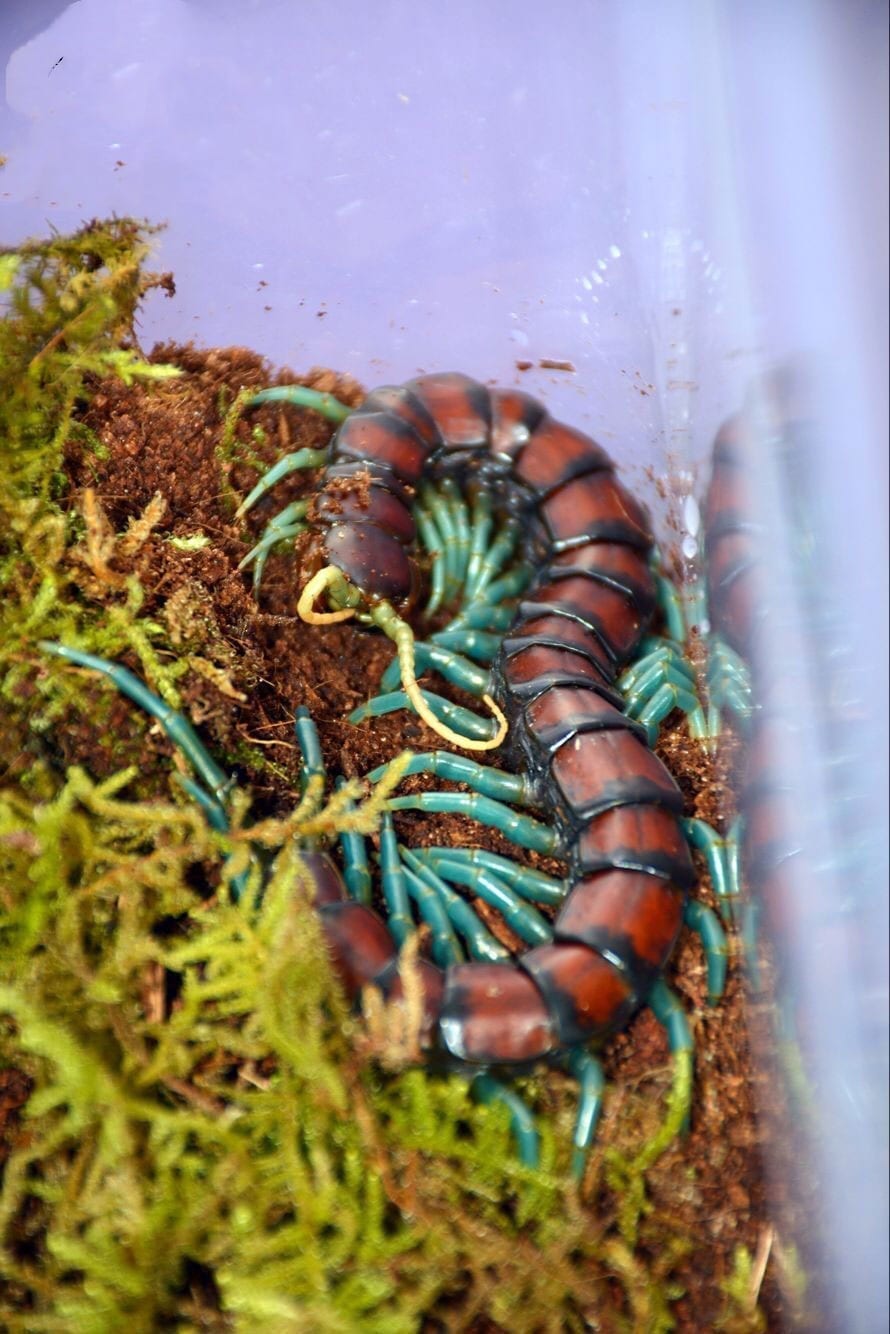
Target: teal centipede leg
[356,870]
[706,924]
[706,839]
[486,1089]
[395,890]
[302,458]
[453,715]
[479,645]
[482,616]
[528,883]
[519,829]
[509,585]
[481,944]
[459,671]
[733,863]
[301,396]
[672,608]
[445,945]
[461,520]
[665,700]
[515,788]
[650,668]
[287,524]
[434,543]
[493,560]
[589,1073]
[438,507]
[177,728]
[218,820]
[528,924]
[670,1014]
[480,533]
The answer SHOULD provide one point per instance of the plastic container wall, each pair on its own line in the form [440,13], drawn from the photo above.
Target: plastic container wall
[670,197]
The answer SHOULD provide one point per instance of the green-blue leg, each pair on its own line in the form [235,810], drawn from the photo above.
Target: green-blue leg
[481,944]
[356,870]
[588,1071]
[218,820]
[438,507]
[493,561]
[395,890]
[486,1089]
[670,1014]
[302,458]
[310,747]
[665,700]
[528,924]
[510,585]
[445,945]
[706,839]
[476,644]
[432,540]
[650,670]
[301,396]
[459,671]
[495,783]
[284,526]
[532,885]
[519,829]
[706,924]
[461,520]
[177,728]
[481,526]
[453,715]
[483,616]
[672,607]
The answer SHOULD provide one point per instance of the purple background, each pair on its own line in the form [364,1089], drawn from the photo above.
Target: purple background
[669,195]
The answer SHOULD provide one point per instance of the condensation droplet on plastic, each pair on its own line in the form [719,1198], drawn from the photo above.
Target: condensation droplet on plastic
[689,546]
[691,515]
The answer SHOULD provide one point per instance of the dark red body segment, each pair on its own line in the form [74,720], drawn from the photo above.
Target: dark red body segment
[613,802]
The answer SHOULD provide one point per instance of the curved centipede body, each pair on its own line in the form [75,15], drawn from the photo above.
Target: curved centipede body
[614,804]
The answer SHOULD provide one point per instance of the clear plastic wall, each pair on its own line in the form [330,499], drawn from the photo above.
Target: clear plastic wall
[667,199]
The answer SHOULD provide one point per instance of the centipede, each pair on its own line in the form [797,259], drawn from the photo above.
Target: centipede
[479,497]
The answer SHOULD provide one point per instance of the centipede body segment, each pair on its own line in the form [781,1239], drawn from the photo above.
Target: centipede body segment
[613,804]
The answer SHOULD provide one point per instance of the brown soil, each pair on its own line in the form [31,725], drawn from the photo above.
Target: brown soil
[264,662]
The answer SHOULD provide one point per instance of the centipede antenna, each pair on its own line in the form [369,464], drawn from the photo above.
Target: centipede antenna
[328,579]
[486,1089]
[400,632]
